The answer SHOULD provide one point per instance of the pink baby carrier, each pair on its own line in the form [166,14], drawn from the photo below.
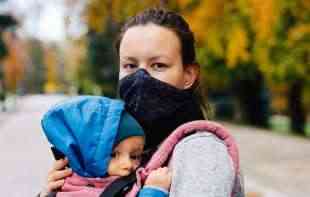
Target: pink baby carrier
[162,155]
[76,186]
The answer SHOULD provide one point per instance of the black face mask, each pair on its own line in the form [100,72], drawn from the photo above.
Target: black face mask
[157,106]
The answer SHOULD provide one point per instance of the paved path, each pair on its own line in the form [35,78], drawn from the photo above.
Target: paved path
[274,165]
[25,156]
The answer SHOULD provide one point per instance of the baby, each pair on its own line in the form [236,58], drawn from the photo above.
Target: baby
[102,143]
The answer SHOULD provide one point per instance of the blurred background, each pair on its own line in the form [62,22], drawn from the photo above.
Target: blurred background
[254,55]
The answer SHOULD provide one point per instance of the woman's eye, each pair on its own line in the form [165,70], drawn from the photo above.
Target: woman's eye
[130,66]
[159,66]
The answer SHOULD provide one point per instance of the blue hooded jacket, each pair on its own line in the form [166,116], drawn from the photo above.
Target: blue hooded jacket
[84,129]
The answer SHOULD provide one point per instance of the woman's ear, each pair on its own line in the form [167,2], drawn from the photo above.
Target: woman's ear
[191,75]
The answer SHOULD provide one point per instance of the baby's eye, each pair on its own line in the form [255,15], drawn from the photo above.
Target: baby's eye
[159,66]
[136,157]
[113,155]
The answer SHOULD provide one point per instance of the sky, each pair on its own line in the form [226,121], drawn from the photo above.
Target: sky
[44,19]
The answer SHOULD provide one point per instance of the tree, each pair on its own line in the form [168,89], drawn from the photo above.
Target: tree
[224,32]
[290,57]
[258,41]
[5,22]
[53,74]
[103,19]
[247,43]
[3,49]
[14,63]
[35,70]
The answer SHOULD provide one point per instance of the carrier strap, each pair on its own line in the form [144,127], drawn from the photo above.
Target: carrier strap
[119,186]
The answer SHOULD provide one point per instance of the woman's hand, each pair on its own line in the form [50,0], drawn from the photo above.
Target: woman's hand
[159,178]
[56,175]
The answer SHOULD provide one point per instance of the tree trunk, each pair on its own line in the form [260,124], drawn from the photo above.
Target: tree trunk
[2,92]
[296,110]
[254,99]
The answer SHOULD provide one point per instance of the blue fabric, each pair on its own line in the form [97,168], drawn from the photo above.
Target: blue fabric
[128,127]
[84,129]
[152,192]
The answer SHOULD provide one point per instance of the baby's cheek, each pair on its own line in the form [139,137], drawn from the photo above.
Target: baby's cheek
[110,167]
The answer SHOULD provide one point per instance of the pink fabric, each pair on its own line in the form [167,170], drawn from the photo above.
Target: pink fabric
[166,148]
[77,186]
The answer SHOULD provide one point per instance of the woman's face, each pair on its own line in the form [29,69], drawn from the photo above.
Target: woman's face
[158,50]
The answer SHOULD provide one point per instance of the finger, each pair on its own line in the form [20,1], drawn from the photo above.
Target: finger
[60,164]
[163,170]
[55,185]
[169,175]
[57,175]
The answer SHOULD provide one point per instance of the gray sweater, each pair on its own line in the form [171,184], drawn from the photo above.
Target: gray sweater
[201,167]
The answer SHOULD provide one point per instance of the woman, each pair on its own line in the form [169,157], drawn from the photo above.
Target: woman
[158,79]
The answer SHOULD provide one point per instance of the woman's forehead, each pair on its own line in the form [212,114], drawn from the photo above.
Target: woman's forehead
[149,40]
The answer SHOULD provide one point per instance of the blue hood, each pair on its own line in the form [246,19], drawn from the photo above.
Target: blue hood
[84,129]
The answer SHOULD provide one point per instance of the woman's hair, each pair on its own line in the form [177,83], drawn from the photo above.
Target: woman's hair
[170,20]
[177,24]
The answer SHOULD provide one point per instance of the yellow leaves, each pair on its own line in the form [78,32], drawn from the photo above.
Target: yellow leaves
[121,9]
[214,41]
[296,33]
[279,92]
[261,56]
[96,12]
[264,16]
[243,6]
[214,79]
[183,3]
[301,70]
[237,46]
[51,62]
[75,56]
[306,4]
[301,10]
[207,13]
[50,87]
[210,27]
[206,22]
[14,63]
[223,27]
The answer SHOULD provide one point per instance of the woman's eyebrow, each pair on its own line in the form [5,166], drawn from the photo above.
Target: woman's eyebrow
[158,57]
[133,59]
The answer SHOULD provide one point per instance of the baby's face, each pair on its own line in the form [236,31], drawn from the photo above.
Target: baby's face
[126,156]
